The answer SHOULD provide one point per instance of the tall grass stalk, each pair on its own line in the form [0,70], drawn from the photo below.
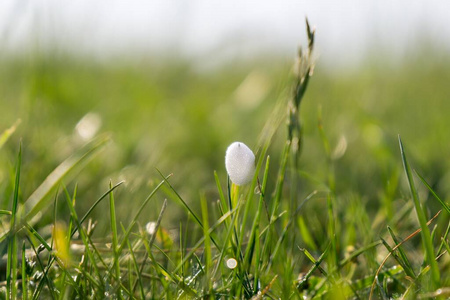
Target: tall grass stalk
[207,248]
[11,268]
[426,237]
[254,242]
[112,213]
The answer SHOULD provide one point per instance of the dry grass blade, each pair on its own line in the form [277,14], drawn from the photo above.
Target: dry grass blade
[261,294]
[395,248]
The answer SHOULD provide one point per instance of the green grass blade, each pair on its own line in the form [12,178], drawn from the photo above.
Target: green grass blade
[433,232]
[34,233]
[196,218]
[443,239]
[331,199]
[201,241]
[11,269]
[223,201]
[280,179]
[302,283]
[141,208]
[269,230]
[253,233]
[16,188]
[63,291]
[226,242]
[96,203]
[250,193]
[45,278]
[84,238]
[236,249]
[444,205]
[130,274]
[24,274]
[136,268]
[324,139]
[406,263]
[382,289]
[53,258]
[38,237]
[158,222]
[160,270]
[425,233]
[112,214]
[91,250]
[8,132]
[152,239]
[182,247]
[358,252]
[306,235]
[91,280]
[165,254]
[286,229]
[207,248]
[333,258]
[397,258]
[233,198]
[314,261]
[446,245]
[39,200]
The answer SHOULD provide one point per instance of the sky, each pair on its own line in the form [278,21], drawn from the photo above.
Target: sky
[346,30]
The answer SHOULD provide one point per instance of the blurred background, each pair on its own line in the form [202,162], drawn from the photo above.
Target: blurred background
[210,33]
[175,82]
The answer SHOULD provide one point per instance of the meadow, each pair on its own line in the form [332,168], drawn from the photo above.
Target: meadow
[113,182]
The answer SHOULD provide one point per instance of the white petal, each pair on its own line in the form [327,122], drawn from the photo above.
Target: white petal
[240,163]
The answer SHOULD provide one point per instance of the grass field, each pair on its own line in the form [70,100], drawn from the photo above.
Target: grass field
[113,183]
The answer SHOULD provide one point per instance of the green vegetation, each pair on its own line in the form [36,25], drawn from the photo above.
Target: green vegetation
[340,208]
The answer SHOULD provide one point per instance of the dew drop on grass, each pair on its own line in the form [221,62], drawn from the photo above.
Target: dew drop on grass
[231,263]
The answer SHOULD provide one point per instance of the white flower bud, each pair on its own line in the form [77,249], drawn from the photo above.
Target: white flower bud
[240,163]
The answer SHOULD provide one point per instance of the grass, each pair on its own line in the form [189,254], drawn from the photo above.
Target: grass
[330,213]
[426,237]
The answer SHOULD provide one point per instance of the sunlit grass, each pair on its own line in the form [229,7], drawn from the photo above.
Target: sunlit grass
[330,211]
